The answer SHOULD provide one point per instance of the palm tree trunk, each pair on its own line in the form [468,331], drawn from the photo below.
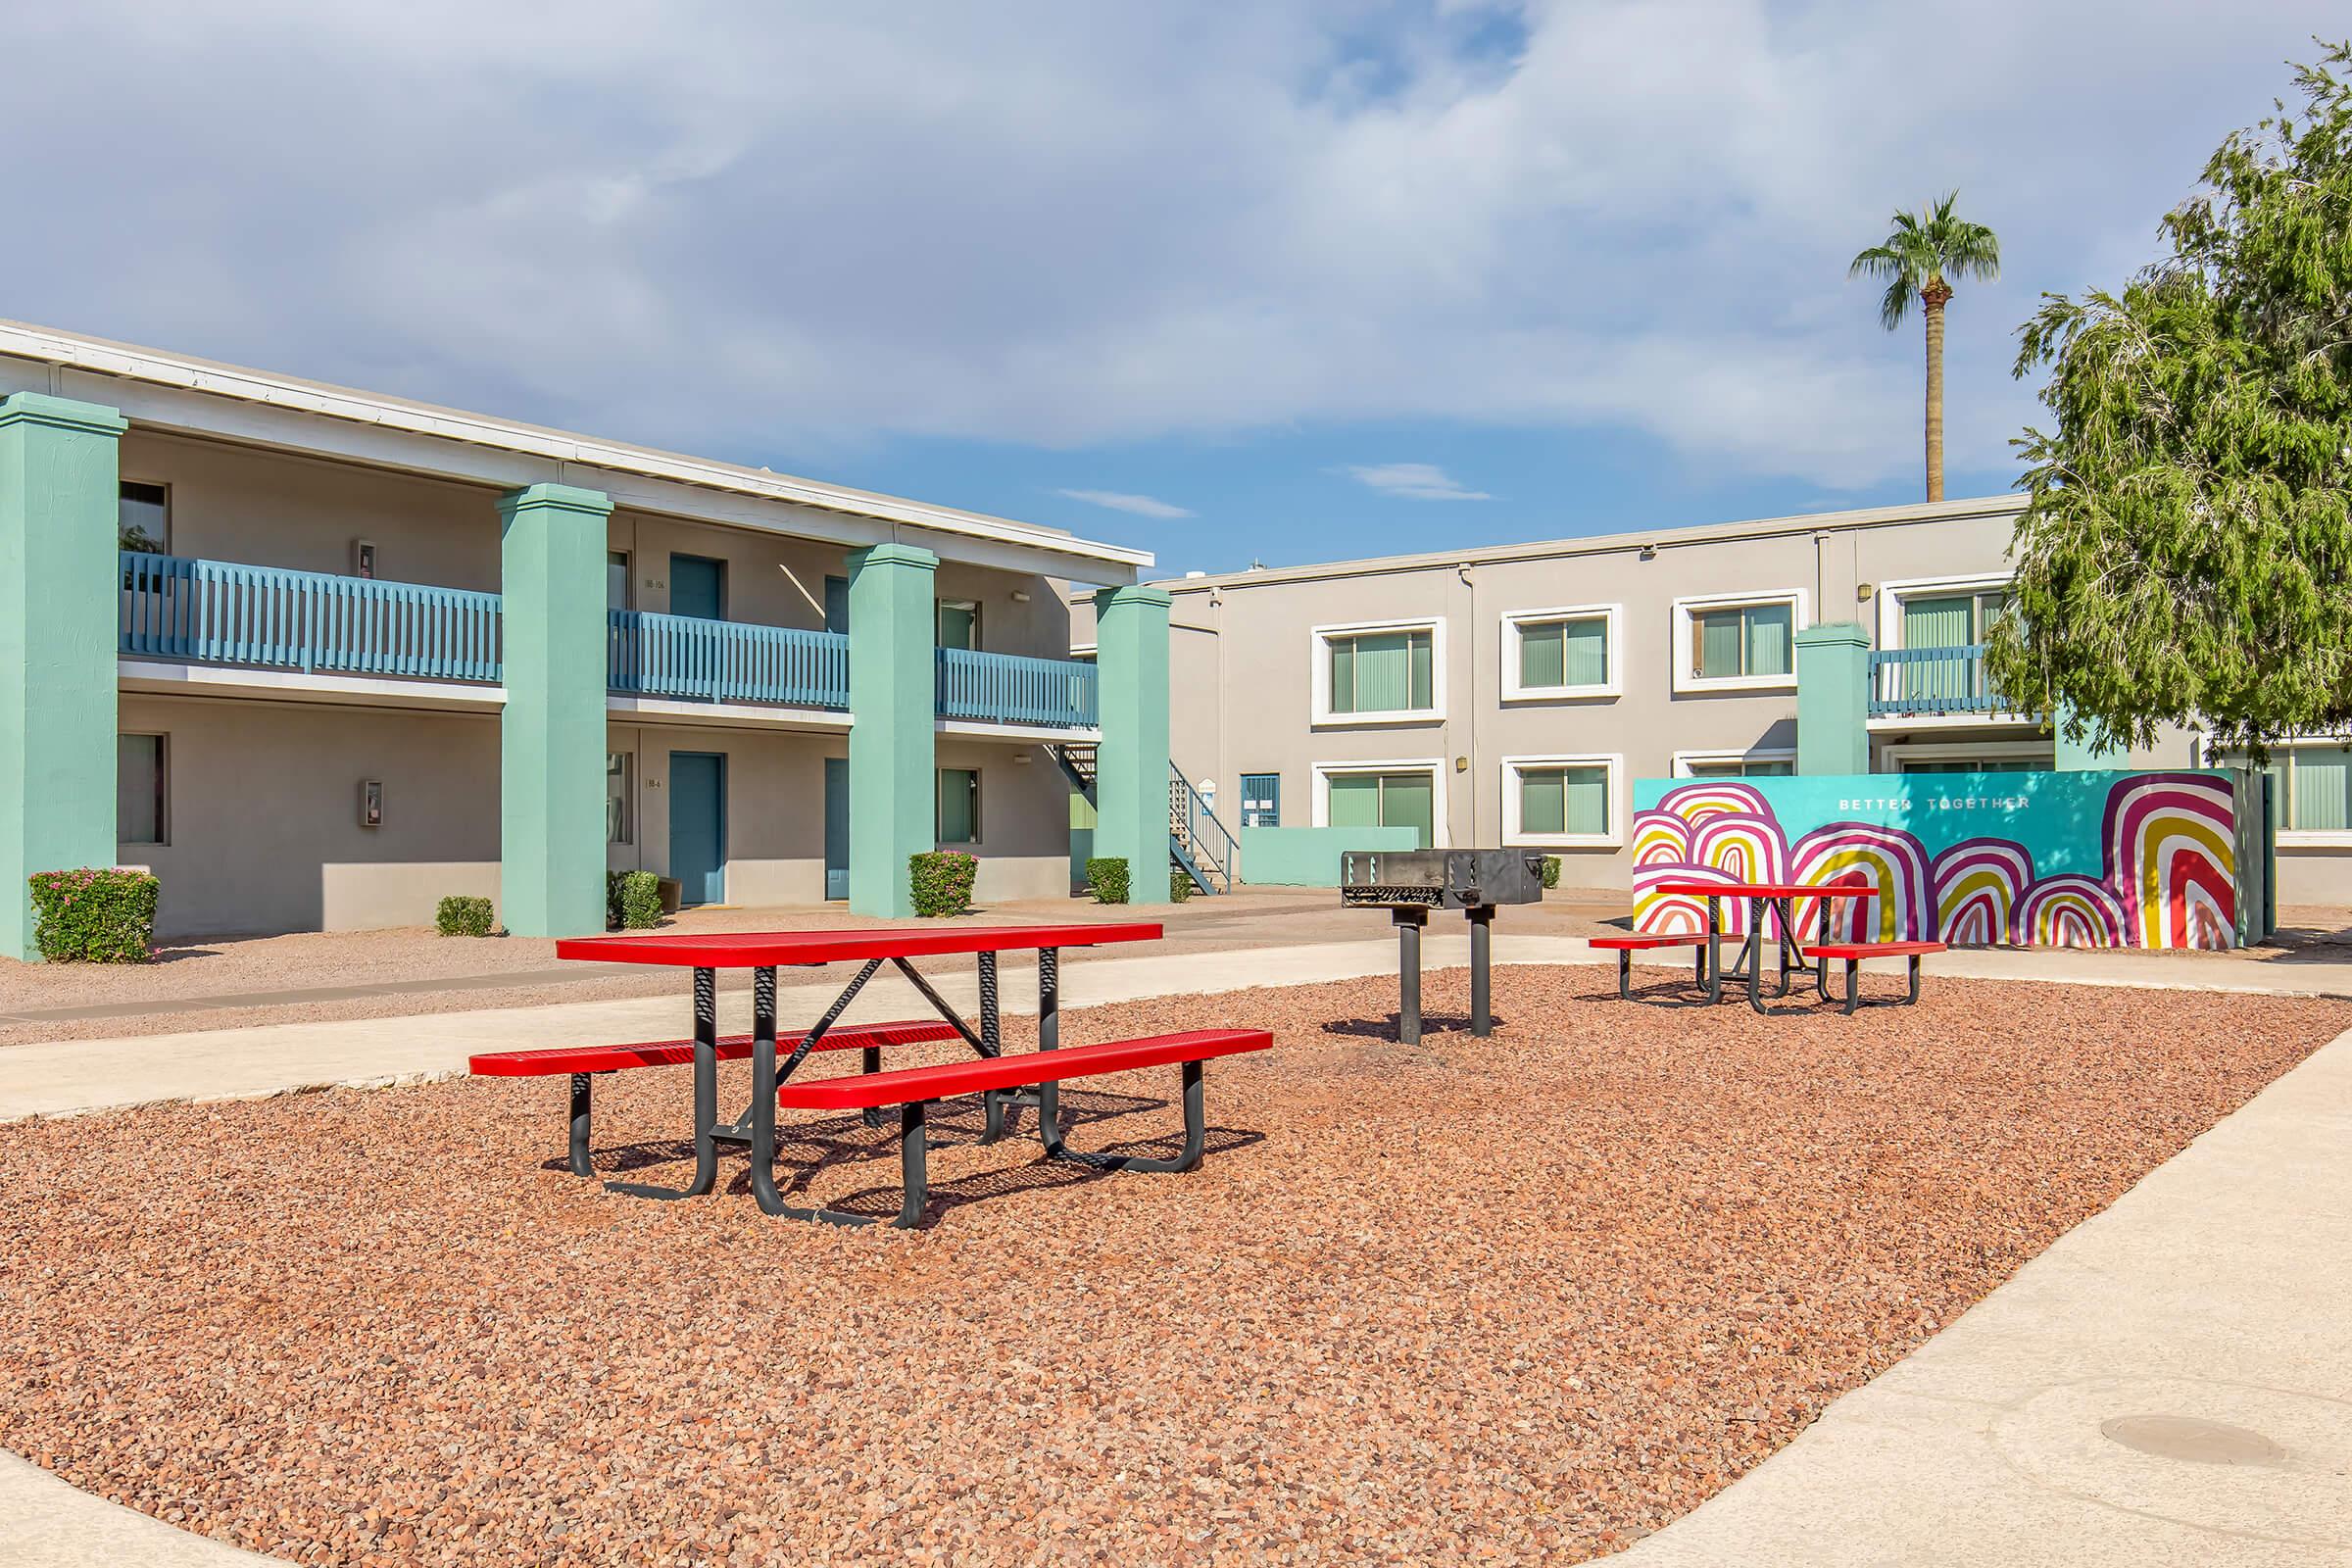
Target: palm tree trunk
[1932,299]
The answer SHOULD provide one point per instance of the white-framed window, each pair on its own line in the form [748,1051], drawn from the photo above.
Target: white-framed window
[1569,802]
[1762,762]
[1931,615]
[1408,793]
[142,790]
[1738,642]
[619,766]
[1379,672]
[1566,652]
[144,516]
[959,624]
[2311,781]
[959,813]
[1983,757]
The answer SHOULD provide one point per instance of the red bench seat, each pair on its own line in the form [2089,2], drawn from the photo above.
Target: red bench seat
[913,1088]
[1854,952]
[578,1063]
[1624,947]
[548,1062]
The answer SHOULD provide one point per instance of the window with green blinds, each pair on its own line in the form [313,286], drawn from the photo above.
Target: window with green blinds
[1743,640]
[1383,800]
[1566,652]
[1740,768]
[1564,801]
[958,805]
[1383,672]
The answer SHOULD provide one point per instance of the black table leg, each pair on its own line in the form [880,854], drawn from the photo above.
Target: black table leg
[1048,1037]
[764,1092]
[1409,922]
[1755,954]
[705,1093]
[992,1042]
[1714,947]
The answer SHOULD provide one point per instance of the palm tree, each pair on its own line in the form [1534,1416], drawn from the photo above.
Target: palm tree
[1919,259]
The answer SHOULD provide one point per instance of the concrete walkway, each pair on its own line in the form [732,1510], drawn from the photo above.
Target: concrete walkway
[2170,1383]
[69,1076]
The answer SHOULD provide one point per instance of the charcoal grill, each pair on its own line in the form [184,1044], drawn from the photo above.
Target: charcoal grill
[1409,883]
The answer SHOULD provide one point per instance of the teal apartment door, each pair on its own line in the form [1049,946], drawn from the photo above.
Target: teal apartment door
[698,586]
[698,826]
[837,827]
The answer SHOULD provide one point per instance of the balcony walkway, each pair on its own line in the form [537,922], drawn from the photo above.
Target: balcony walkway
[224,615]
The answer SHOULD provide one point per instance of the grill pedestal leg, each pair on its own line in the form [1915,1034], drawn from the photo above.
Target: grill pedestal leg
[1409,922]
[1481,990]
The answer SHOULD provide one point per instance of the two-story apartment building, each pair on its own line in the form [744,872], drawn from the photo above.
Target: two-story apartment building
[320,656]
[1511,694]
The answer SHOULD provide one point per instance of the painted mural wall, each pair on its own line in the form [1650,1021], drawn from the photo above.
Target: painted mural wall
[2075,859]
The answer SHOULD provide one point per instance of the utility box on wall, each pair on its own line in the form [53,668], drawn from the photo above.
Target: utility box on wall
[2096,858]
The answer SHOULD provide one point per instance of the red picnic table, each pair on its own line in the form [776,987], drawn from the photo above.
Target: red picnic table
[1781,899]
[999,1079]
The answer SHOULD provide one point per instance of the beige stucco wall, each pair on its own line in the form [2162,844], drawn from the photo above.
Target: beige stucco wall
[263,814]
[270,508]
[1242,658]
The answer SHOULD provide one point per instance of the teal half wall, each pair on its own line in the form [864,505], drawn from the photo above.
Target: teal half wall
[1309,857]
[60,583]
[552,730]
[2091,859]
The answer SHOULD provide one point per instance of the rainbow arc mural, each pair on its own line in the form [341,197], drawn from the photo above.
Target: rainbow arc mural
[2086,860]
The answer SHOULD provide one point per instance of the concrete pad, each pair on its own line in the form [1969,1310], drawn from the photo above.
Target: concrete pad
[2170,1383]
[44,1523]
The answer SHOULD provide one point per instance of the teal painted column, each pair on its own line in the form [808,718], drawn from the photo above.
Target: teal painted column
[2077,757]
[893,790]
[552,732]
[58,587]
[1131,768]
[1832,699]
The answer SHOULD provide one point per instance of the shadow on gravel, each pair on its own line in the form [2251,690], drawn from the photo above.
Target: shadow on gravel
[1431,1023]
[806,1151]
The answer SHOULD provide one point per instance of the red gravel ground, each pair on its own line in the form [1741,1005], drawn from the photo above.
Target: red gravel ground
[1510,1301]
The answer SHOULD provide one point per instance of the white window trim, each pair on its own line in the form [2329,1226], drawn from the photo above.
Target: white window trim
[1890,597]
[1319,660]
[1614,838]
[1891,757]
[1684,761]
[1434,766]
[163,790]
[1515,620]
[1678,650]
[2290,838]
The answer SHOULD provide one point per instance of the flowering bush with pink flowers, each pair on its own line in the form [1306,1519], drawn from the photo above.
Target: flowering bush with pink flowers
[95,915]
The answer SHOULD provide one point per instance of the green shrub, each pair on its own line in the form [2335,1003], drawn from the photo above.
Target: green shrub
[1552,870]
[1180,887]
[94,915]
[1106,879]
[460,915]
[633,901]
[943,882]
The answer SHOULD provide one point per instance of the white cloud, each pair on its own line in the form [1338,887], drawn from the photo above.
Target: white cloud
[1045,224]
[1415,481]
[1121,500]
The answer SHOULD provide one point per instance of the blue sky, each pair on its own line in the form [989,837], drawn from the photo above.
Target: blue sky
[1298,281]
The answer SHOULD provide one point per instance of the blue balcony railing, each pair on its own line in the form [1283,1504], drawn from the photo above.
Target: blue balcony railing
[654,655]
[221,613]
[1009,688]
[1931,682]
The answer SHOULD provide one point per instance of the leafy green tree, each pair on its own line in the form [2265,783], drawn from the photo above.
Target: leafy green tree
[1921,256]
[2185,553]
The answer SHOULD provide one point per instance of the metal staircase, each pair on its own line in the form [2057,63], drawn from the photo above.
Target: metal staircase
[1198,845]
